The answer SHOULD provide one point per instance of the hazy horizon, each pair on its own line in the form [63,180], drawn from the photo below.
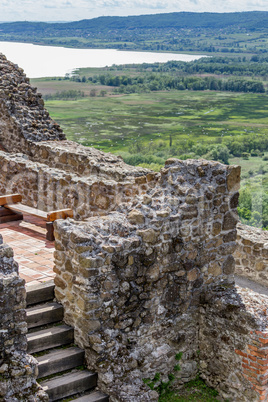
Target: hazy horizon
[132,15]
[75,10]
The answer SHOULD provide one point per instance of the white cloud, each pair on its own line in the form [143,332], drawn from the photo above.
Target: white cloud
[183,5]
[14,10]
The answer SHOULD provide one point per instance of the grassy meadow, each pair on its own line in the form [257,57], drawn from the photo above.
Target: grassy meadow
[112,123]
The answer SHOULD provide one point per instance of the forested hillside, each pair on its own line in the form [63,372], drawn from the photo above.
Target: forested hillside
[245,32]
[252,20]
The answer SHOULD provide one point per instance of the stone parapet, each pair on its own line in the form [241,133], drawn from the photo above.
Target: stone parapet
[251,255]
[49,189]
[83,161]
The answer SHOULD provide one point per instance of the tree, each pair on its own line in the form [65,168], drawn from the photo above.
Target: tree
[220,153]
[93,92]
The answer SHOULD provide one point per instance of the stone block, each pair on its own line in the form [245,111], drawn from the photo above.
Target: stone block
[214,269]
[148,235]
[233,178]
[136,217]
[229,221]
[228,266]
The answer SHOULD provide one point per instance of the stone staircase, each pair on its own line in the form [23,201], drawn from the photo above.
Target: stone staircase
[60,363]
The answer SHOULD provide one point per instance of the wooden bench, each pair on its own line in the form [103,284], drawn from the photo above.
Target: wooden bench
[11,209]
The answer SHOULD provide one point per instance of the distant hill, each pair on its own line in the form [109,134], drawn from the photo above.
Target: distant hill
[253,20]
[225,34]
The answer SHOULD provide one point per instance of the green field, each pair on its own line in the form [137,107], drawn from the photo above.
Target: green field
[112,123]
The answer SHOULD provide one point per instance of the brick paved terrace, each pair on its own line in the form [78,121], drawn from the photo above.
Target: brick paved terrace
[32,251]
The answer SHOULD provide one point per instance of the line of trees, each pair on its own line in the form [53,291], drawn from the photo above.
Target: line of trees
[256,66]
[252,145]
[157,82]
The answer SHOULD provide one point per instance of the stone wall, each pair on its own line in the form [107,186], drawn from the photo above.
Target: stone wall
[148,274]
[234,343]
[23,116]
[50,189]
[26,127]
[50,172]
[82,161]
[18,371]
[131,281]
[251,255]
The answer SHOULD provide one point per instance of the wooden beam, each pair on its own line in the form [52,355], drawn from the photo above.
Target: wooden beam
[10,199]
[60,214]
[47,216]
[27,210]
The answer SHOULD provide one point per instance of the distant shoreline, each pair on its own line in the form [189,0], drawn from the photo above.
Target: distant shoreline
[57,61]
[190,53]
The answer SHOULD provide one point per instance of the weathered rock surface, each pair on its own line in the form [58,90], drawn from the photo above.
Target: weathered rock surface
[233,343]
[23,116]
[148,272]
[18,370]
[251,255]
[132,282]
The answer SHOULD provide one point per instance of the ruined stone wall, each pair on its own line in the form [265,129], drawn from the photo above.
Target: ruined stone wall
[251,255]
[26,127]
[62,174]
[234,344]
[131,281]
[82,161]
[148,274]
[50,189]
[23,116]
[18,371]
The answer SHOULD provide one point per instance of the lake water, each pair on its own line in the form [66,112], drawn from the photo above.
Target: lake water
[50,61]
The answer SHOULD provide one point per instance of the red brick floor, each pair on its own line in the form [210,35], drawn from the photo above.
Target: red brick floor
[32,251]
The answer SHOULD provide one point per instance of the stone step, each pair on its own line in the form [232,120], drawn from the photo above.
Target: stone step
[43,314]
[69,384]
[60,360]
[39,293]
[95,396]
[56,361]
[49,338]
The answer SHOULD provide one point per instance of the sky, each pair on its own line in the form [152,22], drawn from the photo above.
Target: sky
[73,10]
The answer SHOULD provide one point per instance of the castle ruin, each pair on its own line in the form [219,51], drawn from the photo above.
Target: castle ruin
[145,270]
